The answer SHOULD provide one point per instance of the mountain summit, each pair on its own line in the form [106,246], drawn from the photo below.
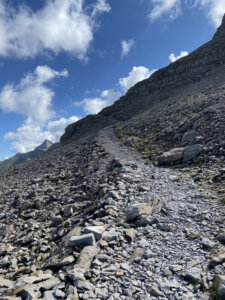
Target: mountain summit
[21,157]
[220,33]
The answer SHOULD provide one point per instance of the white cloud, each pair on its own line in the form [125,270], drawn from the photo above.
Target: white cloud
[161,7]
[96,104]
[137,74]
[126,47]
[31,134]
[31,97]
[173,58]
[214,9]
[59,26]
[100,7]
[93,105]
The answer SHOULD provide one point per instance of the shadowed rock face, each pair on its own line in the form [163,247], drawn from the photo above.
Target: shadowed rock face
[220,33]
[180,76]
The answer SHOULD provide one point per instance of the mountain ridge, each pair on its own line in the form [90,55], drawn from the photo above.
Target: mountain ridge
[187,71]
[45,147]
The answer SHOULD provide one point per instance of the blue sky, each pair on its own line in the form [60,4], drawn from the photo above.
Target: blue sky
[63,59]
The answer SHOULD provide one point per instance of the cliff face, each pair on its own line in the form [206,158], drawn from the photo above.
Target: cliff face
[182,76]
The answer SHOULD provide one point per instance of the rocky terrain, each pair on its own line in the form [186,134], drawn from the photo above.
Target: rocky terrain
[97,219]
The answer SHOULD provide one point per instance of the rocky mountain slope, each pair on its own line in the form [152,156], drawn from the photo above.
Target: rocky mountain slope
[20,157]
[93,219]
[180,105]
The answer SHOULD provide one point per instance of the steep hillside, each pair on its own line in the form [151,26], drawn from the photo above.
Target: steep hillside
[180,105]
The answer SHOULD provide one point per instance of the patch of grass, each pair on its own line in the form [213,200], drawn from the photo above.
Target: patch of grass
[213,294]
[194,236]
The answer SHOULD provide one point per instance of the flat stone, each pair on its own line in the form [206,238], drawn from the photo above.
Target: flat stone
[5,283]
[110,235]
[193,275]
[76,274]
[82,240]
[49,295]
[138,210]
[154,291]
[49,284]
[28,291]
[96,230]
[218,259]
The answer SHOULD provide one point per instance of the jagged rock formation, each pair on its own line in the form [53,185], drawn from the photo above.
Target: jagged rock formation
[46,146]
[93,220]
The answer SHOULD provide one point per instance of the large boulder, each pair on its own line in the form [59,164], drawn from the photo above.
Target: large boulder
[173,155]
[191,151]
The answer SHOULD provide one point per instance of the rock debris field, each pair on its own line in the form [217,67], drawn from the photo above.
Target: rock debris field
[93,220]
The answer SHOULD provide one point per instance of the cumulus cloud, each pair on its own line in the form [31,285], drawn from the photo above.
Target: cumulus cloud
[126,46]
[173,58]
[136,74]
[30,97]
[59,26]
[33,99]
[214,9]
[93,105]
[96,104]
[31,134]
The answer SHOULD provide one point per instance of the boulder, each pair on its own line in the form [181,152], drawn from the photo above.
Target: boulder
[173,155]
[219,284]
[96,230]
[191,151]
[82,240]
[138,210]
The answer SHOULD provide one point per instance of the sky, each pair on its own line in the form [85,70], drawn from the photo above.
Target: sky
[61,60]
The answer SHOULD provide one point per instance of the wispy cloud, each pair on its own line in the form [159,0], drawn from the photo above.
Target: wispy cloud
[214,9]
[126,46]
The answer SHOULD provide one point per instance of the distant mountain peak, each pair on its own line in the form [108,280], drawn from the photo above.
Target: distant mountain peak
[45,145]
[221,30]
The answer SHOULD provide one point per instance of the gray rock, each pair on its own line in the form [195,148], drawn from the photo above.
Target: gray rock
[173,155]
[86,256]
[193,275]
[191,151]
[219,284]
[49,295]
[206,243]
[110,235]
[96,230]
[138,210]
[82,240]
[221,238]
